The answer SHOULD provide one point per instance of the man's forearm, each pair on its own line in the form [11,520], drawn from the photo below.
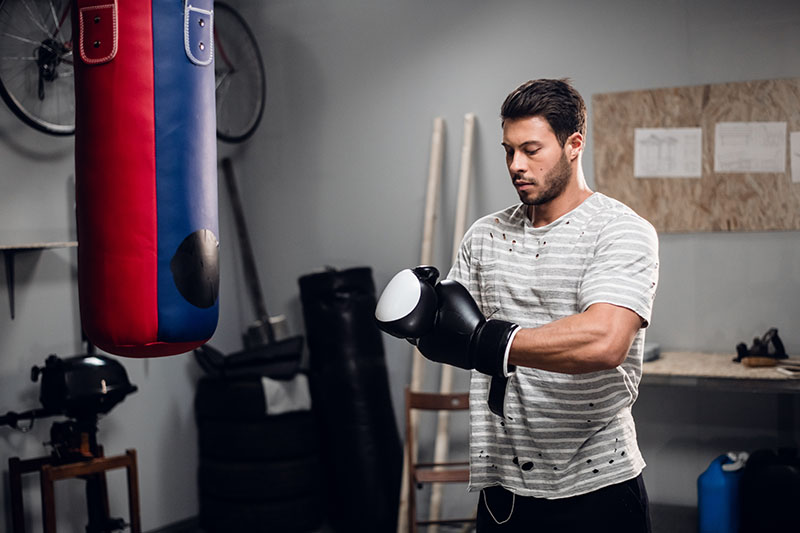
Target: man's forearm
[597,339]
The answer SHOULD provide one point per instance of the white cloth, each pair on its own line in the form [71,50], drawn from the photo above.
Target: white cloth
[285,396]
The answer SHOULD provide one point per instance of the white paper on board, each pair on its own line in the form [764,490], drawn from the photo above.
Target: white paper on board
[668,153]
[750,147]
[794,147]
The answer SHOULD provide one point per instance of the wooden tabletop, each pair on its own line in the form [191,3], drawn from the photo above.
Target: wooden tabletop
[715,370]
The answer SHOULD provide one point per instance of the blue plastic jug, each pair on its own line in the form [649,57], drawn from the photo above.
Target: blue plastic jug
[718,494]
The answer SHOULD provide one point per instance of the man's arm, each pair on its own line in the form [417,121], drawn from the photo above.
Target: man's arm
[597,339]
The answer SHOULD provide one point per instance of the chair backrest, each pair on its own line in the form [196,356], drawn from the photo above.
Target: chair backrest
[434,401]
[442,473]
[429,401]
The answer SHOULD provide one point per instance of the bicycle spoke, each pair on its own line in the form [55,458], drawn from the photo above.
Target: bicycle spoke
[60,23]
[220,90]
[55,18]
[221,79]
[34,18]
[4,8]
[26,40]
[15,75]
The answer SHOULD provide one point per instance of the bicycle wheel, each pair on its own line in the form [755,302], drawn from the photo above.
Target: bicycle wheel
[241,85]
[36,71]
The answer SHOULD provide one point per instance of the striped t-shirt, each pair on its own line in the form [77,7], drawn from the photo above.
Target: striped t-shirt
[565,434]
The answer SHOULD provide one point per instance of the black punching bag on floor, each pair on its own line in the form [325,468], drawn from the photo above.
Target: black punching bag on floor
[350,394]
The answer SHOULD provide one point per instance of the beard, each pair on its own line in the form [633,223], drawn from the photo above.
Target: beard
[555,181]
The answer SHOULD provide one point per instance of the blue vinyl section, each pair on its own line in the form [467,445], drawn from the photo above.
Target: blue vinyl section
[186,164]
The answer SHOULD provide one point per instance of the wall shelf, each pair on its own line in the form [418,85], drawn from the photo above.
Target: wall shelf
[11,250]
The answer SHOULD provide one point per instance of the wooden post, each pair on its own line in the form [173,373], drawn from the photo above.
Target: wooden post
[442,442]
[133,491]
[48,499]
[426,258]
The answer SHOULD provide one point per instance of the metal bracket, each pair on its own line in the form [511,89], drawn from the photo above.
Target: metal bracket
[10,252]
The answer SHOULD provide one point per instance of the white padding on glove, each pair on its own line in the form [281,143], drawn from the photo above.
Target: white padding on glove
[399,298]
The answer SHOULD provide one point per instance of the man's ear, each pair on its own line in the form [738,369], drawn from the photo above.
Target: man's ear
[574,145]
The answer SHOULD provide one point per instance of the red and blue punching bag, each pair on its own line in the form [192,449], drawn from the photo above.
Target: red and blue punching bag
[146,174]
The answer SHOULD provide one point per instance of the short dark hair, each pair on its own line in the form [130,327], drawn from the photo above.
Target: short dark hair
[556,101]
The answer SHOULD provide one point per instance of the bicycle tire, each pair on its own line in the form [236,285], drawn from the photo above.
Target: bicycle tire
[241,83]
[36,74]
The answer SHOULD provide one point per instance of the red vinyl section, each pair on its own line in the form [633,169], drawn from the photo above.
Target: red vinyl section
[115,189]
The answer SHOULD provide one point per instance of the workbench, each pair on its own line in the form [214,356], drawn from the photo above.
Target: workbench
[717,371]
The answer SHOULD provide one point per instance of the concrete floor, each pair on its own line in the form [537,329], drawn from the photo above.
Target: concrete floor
[665,519]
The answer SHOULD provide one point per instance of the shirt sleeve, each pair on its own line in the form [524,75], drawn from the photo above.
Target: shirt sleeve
[624,270]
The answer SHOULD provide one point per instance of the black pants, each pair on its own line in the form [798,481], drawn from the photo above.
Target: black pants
[621,508]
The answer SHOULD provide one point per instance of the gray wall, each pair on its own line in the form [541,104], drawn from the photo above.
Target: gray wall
[336,176]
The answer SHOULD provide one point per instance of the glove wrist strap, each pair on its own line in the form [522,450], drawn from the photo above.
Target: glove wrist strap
[490,349]
[508,368]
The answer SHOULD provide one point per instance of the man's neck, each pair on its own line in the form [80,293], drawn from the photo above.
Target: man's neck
[574,195]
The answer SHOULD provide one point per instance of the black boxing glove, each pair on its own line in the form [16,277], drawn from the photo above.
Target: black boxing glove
[444,321]
[407,306]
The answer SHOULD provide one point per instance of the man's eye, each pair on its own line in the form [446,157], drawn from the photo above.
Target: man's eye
[531,152]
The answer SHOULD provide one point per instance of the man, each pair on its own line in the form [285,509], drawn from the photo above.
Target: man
[567,279]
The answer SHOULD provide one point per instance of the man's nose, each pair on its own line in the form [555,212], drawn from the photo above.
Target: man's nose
[517,164]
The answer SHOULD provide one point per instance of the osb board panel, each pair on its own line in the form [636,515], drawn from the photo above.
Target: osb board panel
[716,201]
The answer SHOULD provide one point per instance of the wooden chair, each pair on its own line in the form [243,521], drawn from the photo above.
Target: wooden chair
[419,473]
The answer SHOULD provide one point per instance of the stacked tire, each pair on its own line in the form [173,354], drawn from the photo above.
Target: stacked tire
[257,472]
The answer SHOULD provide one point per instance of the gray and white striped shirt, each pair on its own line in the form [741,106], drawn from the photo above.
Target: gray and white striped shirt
[565,434]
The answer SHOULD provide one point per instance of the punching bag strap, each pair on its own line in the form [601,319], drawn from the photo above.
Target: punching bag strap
[198,31]
[97,25]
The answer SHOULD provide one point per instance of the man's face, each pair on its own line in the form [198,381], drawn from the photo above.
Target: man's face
[537,163]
